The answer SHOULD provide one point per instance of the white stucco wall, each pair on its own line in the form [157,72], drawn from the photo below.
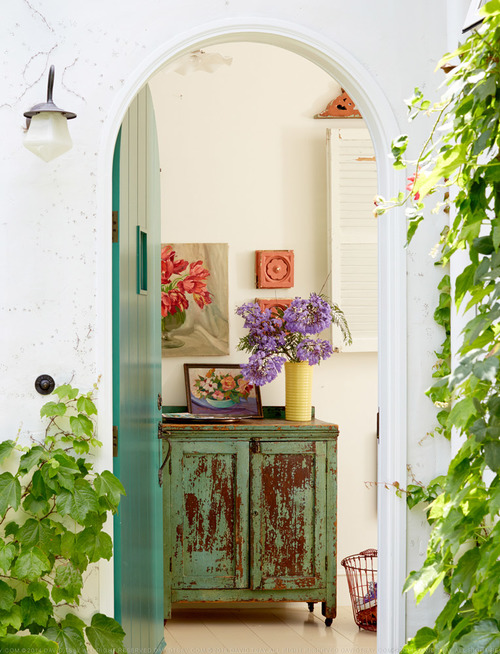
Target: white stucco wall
[54,217]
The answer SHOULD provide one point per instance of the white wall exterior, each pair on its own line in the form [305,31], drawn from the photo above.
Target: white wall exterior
[55,221]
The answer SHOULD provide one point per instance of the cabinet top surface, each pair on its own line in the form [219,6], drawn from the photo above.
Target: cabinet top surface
[312,428]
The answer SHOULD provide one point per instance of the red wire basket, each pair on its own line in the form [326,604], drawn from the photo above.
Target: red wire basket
[361,572]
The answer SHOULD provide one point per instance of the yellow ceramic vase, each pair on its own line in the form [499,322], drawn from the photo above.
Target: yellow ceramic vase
[298,391]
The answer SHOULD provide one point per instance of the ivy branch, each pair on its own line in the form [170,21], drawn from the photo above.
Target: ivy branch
[56,507]
[463,506]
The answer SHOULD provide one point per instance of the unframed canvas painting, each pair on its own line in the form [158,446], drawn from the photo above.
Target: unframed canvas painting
[194,299]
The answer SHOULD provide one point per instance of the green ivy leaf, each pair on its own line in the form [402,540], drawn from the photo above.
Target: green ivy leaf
[486,369]
[66,390]
[463,576]
[462,412]
[38,532]
[95,544]
[491,8]
[39,487]
[11,528]
[64,470]
[7,553]
[105,634]
[107,484]
[31,564]
[85,405]
[78,503]
[36,612]
[483,637]
[10,493]
[68,583]
[37,590]
[35,505]
[492,456]
[11,618]
[423,638]
[7,596]
[6,448]
[31,458]
[23,644]
[81,425]
[51,409]
[71,620]
[69,638]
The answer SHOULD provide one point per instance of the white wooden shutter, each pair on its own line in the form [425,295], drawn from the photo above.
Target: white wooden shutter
[352,186]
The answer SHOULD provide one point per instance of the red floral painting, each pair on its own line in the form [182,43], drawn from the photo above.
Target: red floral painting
[194,299]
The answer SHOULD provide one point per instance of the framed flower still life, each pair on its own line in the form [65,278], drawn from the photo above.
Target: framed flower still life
[221,391]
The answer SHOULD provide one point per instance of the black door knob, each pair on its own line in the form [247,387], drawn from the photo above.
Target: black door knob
[44,384]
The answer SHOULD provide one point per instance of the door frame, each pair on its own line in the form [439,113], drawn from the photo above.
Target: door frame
[392,366]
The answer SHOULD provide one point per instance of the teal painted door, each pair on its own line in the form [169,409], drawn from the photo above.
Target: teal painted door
[288,496]
[137,379]
[210,515]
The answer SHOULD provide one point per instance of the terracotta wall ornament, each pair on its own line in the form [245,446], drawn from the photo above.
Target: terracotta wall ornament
[274,268]
[341,107]
[273,304]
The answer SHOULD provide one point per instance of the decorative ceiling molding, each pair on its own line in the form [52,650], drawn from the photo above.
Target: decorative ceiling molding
[341,107]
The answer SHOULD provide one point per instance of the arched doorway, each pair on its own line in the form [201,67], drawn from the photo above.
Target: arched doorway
[392,280]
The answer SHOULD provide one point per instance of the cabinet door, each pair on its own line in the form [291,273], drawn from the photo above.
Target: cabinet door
[210,515]
[288,495]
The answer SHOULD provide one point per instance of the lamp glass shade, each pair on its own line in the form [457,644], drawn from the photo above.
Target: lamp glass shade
[48,135]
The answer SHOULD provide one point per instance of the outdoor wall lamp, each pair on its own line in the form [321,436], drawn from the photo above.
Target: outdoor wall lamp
[48,134]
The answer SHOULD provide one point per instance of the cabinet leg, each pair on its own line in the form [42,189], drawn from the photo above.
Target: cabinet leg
[329,612]
[310,606]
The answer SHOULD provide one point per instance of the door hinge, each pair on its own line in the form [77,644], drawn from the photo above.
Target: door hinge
[255,447]
[160,402]
[326,563]
[115,440]
[114,226]
[170,564]
[378,426]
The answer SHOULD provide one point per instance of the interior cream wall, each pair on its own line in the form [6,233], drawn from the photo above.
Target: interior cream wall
[243,162]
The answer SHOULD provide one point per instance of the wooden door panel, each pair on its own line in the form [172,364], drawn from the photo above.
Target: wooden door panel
[288,482]
[210,514]
[137,380]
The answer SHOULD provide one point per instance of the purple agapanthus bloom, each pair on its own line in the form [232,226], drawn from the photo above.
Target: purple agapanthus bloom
[309,316]
[262,369]
[314,350]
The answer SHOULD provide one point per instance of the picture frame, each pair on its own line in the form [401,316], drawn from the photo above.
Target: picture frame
[220,390]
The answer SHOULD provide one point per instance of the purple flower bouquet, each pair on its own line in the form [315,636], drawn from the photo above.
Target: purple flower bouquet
[276,336]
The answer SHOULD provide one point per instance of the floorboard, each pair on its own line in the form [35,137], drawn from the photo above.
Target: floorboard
[263,628]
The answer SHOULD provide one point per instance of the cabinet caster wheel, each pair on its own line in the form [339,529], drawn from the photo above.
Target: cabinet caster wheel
[310,606]
[328,622]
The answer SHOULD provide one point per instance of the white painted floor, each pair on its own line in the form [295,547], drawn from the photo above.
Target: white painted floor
[263,628]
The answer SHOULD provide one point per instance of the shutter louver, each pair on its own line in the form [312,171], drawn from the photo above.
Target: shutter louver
[352,185]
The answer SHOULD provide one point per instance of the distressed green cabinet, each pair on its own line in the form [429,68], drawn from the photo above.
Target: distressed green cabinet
[250,512]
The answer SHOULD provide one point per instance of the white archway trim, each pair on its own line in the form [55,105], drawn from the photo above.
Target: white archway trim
[383,127]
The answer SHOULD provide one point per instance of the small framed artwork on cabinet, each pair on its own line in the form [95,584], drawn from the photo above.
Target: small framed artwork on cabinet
[221,391]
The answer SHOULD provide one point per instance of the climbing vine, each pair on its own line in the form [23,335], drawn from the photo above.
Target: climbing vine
[460,166]
[52,510]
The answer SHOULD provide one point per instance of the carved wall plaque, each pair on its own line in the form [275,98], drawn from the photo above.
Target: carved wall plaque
[274,268]
[341,107]
[273,304]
